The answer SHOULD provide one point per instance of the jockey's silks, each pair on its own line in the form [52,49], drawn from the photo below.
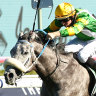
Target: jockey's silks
[84,20]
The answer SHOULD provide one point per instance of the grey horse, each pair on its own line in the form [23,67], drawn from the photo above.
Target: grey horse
[61,74]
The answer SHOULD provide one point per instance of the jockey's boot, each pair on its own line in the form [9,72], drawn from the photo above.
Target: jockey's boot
[91,63]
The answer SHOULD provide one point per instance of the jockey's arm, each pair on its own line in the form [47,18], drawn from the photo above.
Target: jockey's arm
[70,31]
[76,28]
[53,28]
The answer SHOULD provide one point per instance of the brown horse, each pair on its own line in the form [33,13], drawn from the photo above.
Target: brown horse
[62,75]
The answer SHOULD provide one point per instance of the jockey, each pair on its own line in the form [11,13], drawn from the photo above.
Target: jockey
[80,23]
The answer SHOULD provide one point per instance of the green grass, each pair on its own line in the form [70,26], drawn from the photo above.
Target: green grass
[1,72]
[30,73]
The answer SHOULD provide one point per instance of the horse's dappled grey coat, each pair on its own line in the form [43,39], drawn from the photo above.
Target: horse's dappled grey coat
[62,75]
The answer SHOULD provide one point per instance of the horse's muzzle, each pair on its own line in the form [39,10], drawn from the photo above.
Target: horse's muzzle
[10,78]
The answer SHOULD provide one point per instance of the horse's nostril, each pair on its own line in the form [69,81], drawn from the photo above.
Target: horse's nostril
[11,75]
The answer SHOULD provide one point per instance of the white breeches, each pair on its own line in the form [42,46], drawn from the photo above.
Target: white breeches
[86,49]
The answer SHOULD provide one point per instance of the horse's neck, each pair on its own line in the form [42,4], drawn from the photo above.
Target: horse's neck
[47,61]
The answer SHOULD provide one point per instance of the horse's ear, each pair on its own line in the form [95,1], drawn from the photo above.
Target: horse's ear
[21,34]
[31,35]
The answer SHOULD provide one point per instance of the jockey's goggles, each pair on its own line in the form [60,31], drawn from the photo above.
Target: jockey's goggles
[65,19]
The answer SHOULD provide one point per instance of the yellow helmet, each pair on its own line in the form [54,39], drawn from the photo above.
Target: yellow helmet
[64,10]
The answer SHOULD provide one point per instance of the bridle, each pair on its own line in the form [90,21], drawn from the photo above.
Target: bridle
[35,62]
[36,59]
